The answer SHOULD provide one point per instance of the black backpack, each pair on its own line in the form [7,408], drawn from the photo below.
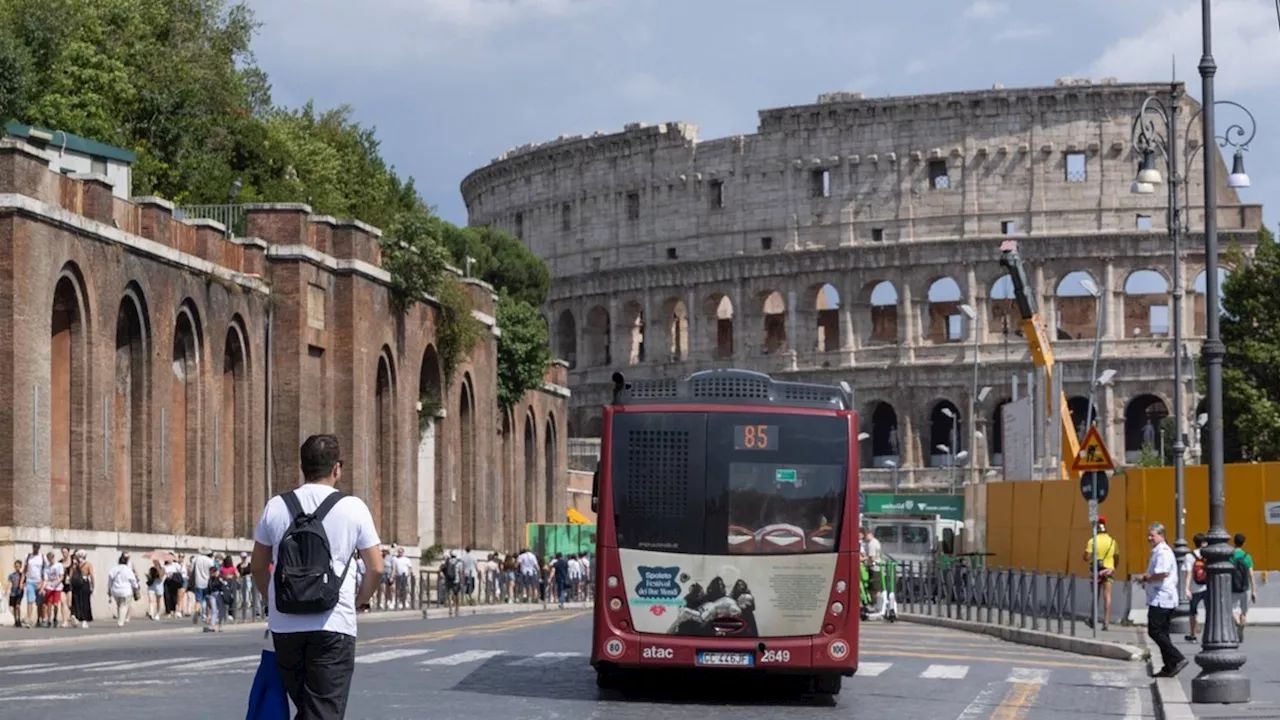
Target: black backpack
[451,570]
[1239,574]
[304,579]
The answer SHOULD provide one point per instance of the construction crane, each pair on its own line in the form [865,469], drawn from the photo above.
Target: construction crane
[1041,352]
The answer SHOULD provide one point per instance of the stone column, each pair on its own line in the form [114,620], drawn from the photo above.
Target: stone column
[741,324]
[907,319]
[850,307]
[692,311]
[1110,317]
[797,337]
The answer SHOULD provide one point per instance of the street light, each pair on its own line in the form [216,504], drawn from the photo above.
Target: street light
[893,484]
[1155,132]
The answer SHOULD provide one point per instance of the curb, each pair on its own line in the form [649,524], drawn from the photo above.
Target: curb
[1168,698]
[1037,638]
[70,637]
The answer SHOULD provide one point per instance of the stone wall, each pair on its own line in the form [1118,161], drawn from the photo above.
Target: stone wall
[843,240]
[157,378]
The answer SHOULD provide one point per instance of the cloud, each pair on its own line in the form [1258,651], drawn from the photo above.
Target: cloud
[1015,33]
[1245,46]
[915,67]
[985,9]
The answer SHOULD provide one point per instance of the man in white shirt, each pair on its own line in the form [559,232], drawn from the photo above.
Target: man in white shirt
[871,556]
[1161,581]
[33,572]
[528,565]
[316,651]
[201,564]
[404,568]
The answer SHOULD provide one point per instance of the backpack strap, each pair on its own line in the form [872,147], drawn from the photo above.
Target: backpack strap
[291,502]
[328,504]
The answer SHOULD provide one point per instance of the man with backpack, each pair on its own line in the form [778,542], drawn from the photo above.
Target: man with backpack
[302,561]
[1195,581]
[1243,590]
[452,571]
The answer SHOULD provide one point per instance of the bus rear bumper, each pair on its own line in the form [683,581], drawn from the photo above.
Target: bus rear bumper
[804,655]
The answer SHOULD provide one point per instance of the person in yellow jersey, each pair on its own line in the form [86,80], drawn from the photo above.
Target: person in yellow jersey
[1108,553]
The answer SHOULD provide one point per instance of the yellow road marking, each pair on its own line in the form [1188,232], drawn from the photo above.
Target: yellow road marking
[473,630]
[980,658]
[1017,701]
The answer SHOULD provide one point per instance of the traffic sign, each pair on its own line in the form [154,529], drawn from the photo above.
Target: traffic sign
[1095,479]
[1093,454]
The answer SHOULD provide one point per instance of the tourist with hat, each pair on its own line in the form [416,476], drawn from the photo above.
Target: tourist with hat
[1108,553]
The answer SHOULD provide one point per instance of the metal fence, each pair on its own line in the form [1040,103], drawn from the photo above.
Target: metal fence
[1050,602]
[231,216]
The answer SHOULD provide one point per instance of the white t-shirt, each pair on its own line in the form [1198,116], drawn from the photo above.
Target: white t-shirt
[1163,593]
[53,575]
[200,567]
[121,581]
[403,565]
[528,564]
[1188,567]
[349,526]
[35,568]
[871,550]
[575,569]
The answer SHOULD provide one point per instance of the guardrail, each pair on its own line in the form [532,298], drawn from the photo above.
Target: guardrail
[1049,602]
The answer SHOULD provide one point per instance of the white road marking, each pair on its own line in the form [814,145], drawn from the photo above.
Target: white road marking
[872,669]
[1113,679]
[546,658]
[16,668]
[65,668]
[221,662]
[945,672]
[140,665]
[982,705]
[1028,676]
[389,655]
[114,683]
[464,657]
[41,698]
[1132,704]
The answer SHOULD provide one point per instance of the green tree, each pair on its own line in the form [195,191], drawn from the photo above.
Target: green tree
[1251,368]
[500,260]
[523,351]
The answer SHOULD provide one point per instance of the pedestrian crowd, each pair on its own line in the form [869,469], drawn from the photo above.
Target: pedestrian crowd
[513,577]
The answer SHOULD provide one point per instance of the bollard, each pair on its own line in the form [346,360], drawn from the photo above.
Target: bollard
[1071,598]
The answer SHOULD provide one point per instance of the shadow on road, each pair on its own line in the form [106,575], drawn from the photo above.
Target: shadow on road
[574,679]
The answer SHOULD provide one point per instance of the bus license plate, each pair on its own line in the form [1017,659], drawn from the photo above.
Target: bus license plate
[731,659]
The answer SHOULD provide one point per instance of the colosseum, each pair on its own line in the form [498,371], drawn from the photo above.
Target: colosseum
[854,238]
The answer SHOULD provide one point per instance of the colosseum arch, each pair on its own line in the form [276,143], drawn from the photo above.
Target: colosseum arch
[431,434]
[1146,305]
[826,307]
[182,427]
[131,414]
[233,432]
[1004,318]
[995,434]
[1142,418]
[946,323]
[467,459]
[675,317]
[884,448]
[719,309]
[599,337]
[530,468]
[773,309]
[631,332]
[946,435]
[1077,306]
[1078,406]
[567,338]
[549,456]
[69,403]
[882,298]
[1200,289]
[382,493]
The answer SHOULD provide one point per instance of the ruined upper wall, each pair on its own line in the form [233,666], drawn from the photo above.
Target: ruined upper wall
[841,172]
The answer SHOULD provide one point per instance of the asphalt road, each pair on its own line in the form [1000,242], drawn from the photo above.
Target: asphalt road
[534,667]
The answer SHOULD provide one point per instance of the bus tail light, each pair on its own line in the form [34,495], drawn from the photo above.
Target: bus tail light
[615,604]
[837,608]
[612,582]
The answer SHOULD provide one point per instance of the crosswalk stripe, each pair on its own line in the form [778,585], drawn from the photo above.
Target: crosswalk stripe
[1099,678]
[219,662]
[464,657]
[872,669]
[945,672]
[16,668]
[141,665]
[546,658]
[389,655]
[65,668]
[983,704]
[1028,676]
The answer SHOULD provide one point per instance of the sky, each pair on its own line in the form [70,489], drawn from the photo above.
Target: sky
[451,84]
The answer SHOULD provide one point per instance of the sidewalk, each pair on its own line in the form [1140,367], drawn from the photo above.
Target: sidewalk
[14,639]
[1261,647]
[1117,643]
[1258,616]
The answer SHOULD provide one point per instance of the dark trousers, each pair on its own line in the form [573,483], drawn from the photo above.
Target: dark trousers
[316,669]
[1158,620]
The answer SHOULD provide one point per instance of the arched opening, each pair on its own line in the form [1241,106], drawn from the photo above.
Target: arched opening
[131,405]
[1005,319]
[549,457]
[946,323]
[1143,420]
[632,330]
[233,436]
[720,309]
[827,305]
[884,437]
[884,313]
[383,496]
[182,427]
[1200,290]
[1077,306]
[676,315]
[599,336]
[530,469]
[1079,408]
[996,435]
[774,310]
[510,516]
[1146,305]
[946,441]
[567,338]
[431,419]
[69,502]
[467,449]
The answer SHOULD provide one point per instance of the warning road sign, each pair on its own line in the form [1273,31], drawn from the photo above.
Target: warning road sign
[1093,456]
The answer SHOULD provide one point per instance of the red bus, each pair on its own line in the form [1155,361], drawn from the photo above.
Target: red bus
[727,528]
